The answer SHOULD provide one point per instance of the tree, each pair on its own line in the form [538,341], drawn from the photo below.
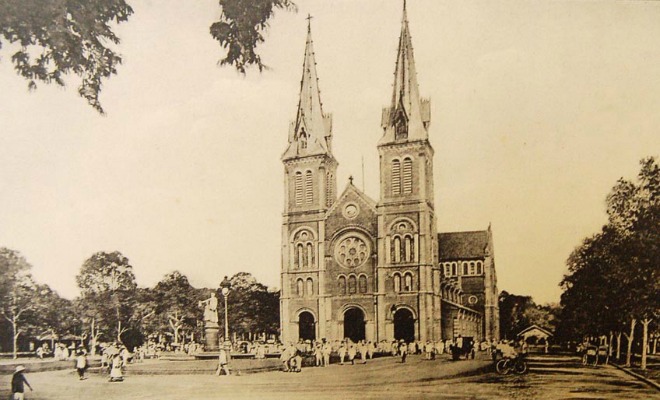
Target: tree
[252,308]
[17,295]
[56,38]
[108,287]
[176,304]
[622,258]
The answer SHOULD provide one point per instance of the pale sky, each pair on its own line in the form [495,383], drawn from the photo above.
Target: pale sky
[538,107]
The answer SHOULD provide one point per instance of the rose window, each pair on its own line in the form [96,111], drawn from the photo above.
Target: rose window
[352,252]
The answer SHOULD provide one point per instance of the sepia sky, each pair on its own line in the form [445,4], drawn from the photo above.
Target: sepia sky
[538,107]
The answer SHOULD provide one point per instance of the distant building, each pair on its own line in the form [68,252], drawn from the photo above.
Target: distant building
[377,270]
[539,334]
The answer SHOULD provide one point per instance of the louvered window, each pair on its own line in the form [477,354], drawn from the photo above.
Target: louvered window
[329,192]
[298,188]
[309,188]
[407,176]
[396,177]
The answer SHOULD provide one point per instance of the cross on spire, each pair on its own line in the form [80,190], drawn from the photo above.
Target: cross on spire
[309,22]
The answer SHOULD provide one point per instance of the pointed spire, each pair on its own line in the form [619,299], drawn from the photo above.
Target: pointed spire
[311,132]
[408,116]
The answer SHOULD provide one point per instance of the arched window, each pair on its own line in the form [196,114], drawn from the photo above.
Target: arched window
[396,177]
[329,189]
[300,257]
[407,175]
[303,138]
[465,268]
[409,248]
[362,284]
[310,255]
[397,250]
[479,269]
[447,269]
[310,287]
[342,285]
[352,284]
[298,189]
[300,289]
[454,271]
[401,125]
[397,283]
[408,282]
[309,187]
[472,270]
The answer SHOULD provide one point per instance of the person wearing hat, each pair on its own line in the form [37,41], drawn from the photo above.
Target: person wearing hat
[18,383]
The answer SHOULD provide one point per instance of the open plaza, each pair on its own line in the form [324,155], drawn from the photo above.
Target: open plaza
[550,377]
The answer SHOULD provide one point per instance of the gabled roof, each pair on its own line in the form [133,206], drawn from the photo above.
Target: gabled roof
[531,327]
[462,245]
[311,125]
[350,188]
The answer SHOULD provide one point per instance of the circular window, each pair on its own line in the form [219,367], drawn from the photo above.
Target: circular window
[473,300]
[351,211]
[352,251]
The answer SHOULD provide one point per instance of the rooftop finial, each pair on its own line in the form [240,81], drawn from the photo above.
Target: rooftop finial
[309,21]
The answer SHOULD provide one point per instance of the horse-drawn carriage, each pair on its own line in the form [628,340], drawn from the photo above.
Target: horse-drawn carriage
[593,354]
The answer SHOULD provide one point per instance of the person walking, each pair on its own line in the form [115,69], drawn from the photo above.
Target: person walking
[81,364]
[116,374]
[326,350]
[18,383]
[403,349]
[352,352]
[362,347]
[342,353]
[223,363]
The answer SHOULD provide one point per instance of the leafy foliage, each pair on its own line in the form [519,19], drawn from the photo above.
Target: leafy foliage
[59,38]
[109,292]
[62,37]
[176,305]
[613,277]
[241,29]
[252,308]
[519,312]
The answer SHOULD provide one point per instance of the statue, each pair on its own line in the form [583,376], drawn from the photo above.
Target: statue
[210,309]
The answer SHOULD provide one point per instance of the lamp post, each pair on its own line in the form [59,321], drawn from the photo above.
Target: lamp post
[225,287]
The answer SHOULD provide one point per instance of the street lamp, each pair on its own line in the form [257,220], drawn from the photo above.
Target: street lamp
[225,287]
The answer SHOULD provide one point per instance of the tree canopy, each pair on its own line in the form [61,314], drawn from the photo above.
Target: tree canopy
[56,38]
[613,277]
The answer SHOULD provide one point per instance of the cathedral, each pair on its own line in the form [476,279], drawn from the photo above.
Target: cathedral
[364,269]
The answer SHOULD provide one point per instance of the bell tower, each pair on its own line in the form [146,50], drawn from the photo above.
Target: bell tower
[309,190]
[407,262]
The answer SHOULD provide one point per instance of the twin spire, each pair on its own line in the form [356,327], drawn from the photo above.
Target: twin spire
[408,116]
[406,119]
[311,132]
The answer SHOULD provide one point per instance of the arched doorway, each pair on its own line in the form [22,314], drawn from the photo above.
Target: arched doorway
[306,326]
[404,325]
[354,324]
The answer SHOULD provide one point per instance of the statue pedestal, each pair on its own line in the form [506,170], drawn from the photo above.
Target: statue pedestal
[211,337]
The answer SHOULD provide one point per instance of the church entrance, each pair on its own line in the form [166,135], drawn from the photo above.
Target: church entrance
[404,325]
[354,324]
[306,326]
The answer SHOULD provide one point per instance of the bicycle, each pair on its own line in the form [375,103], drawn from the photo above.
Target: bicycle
[506,365]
